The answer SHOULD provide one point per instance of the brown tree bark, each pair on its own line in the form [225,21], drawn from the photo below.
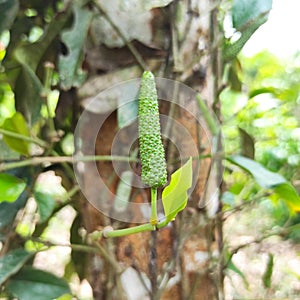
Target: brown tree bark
[182,260]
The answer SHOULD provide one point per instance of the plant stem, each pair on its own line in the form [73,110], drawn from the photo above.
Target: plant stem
[61,159]
[49,67]
[127,231]
[24,138]
[153,217]
[207,115]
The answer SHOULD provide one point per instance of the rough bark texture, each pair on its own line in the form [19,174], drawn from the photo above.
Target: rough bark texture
[180,261]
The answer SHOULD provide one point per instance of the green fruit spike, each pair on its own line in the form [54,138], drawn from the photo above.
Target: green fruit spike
[154,169]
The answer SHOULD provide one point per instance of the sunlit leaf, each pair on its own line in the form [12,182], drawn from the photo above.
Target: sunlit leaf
[17,124]
[12,262]
[270,180]
[70,71]
[65,297]
[289,194]
[175,196]
[264,177]
[11,187]
[31,284]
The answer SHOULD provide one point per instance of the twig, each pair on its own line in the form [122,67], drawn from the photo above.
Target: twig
[108,257]
[153,265]
[75,247]
[23,137]
[254,241]
[61,159]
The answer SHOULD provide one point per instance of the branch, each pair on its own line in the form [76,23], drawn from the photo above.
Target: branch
[62,159]
[23,137]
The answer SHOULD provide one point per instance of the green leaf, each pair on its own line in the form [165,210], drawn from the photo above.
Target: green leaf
[8,211]
[174,196]
[17,124]
[288,193]
[65,297]
[31,54]
[232,50]
[231,266]
[33,284]
[11,187]
[245,11]
[8,12]
[247,143]
[28,89]
[247,17]
[263,90]
[265,178]
[69,65]
[269,180]
[267,276]
[46,204]
[12,262]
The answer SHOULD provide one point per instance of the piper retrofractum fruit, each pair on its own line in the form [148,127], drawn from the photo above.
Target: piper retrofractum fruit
[154,169]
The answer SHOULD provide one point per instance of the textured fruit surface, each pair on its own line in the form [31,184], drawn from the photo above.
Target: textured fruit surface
[154,170]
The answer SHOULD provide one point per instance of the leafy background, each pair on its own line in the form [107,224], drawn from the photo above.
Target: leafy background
[260,120]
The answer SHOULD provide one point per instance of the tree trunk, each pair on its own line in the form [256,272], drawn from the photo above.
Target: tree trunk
[182,260]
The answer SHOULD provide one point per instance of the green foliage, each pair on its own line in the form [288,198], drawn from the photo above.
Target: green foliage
[46,204]
[265,178]
[32,283]
[154,169]
[247,17]
[245,11]
[174,195]
[231,266]
[270,180]
[8,12]
[11,187]
[260,108]
[12,262]
[17,124]
[267,276]
[69,65]
[8,211]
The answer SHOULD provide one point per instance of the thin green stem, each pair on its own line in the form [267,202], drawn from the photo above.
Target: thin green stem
[49,67]
[127,231]
[23,137]
[153,217]
[207,115]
